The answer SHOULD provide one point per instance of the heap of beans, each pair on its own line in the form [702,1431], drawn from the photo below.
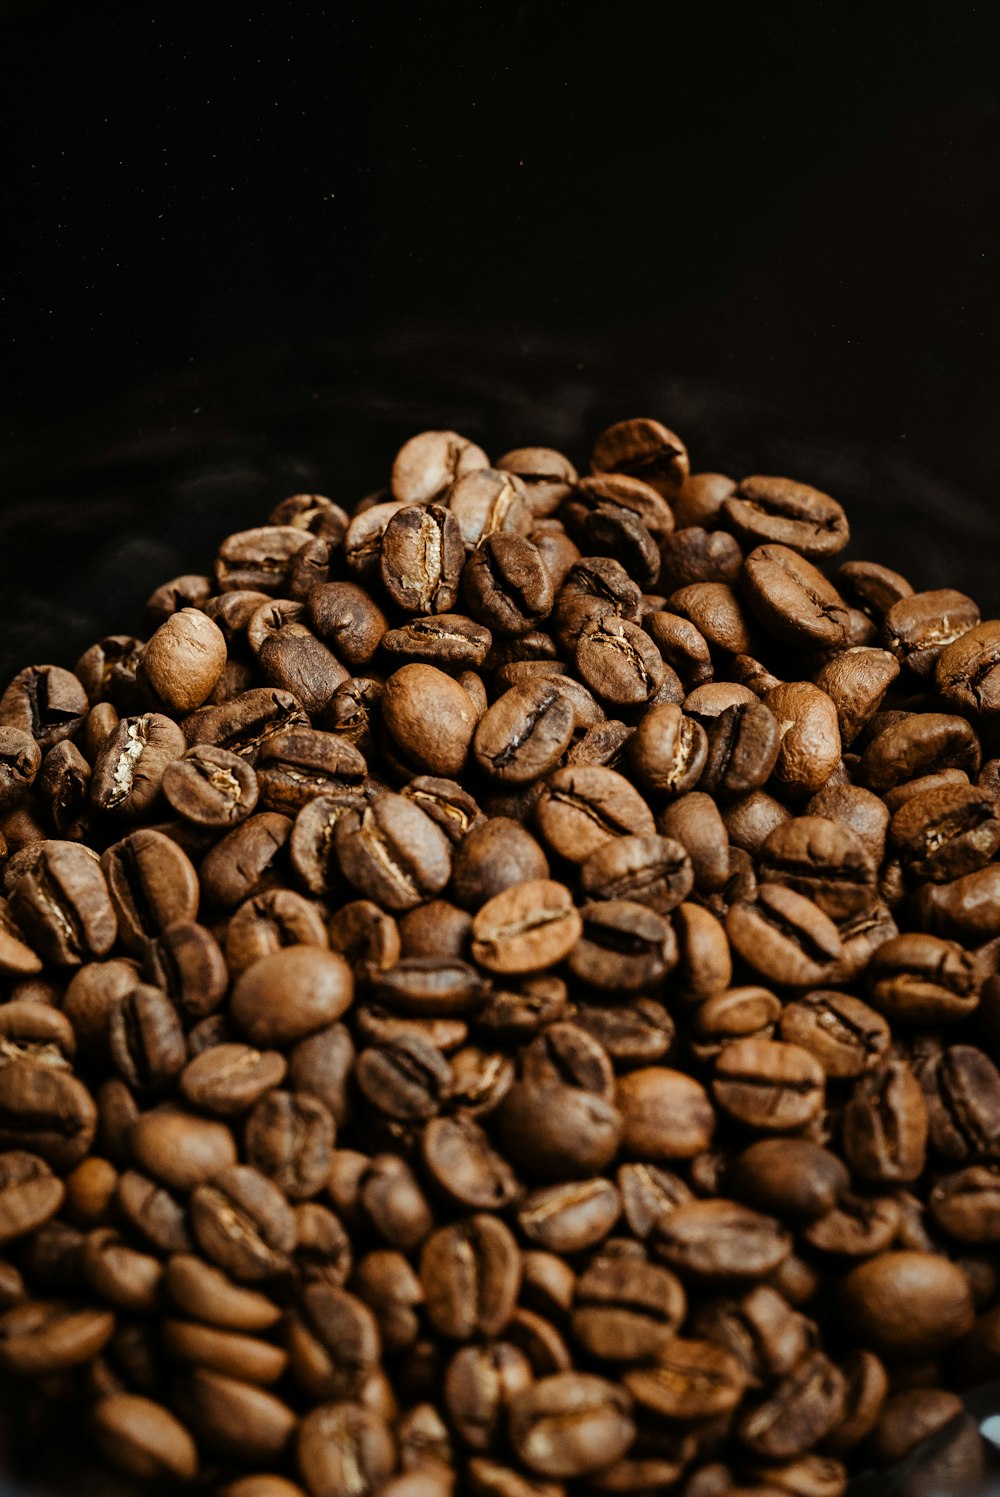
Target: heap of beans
[500,997]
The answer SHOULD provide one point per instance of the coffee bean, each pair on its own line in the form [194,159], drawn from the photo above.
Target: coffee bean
[823,860]
[46,702]
[625,1309]
[62,904]
[643,449]
[810,736]
[961,1086]
[293,993]
[405,1078]
[289,1138]
[144,1439]
[429,717]
[45,1111]
[471,1273]
[42,1337]
[570,1424]
[464,1166]
[789,1177]
[785,937]
[30,1194]
[569,1218]
[152,884]
[844,1034]
[688,1379]
[792,599]
[178,1147]
[524,733]
[789,513]
[768,1085]
[885,1125]
[720,1242]
[667,1115]
[146,1039]
[526,928]
[548,476]
[392,852]
[920,626]
[804,1408]
[343,1444]
[908,1304]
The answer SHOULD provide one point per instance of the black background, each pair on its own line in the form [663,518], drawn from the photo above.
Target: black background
[251,248]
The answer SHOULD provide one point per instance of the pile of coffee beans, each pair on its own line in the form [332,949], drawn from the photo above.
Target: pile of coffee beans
[500,997]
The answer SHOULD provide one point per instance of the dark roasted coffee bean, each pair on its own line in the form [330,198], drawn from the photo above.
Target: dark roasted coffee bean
[581,808]
[552,1131]
[570,1424]
[246,861]
[297,764]
[46,702]
[619,662]
[785,937]
[943,834]
[506,584]
[242,724]
[742,749]
[845,1035]
[625,1309]
[810,736]
[62,905]
[966,1204]
[524,733]
[624,947]
[793,600]
[312,844]
[487,502]
[152,885]
[961,1086]
[731,1016]
[146,1039]
[788,513]
[479,1383]
[789,1177]
[908,1304]
[180,1148]
[885,1125]
[768,1085]
[823,860]
[392,852]
[919,745]
[464,1166]
[421,558]
[258,559]
[406,1078]
[667,1114]
[547,476]
[153,1213]
[243,1224]
[803,1408]
[41,1337]
[921,979]
[720,1242]
[270,922]
[291,994]
[642,449]
[63,784]
[919,627]
[471,1273]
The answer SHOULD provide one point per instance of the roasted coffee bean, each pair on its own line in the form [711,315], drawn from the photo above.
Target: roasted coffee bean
[885,1125]
[921,979]
[625,1309]
[46,702]
[619,662]
[471,1273]
[146,1039]
[405,1078]
[916,746]
[804,1407]
[688,1379]
[20,761]
[270,922]
[789,1177]
[61,903]
[785,937]
[570,1424]
[945,833]
[493,857]
[39,1337]
[392,852]
[810,736]
[667,1114]
[581,808]
[920,626]
[153,1213]
[570,1218]
[45,1110]
[793,600]
[642,449]
[185,960]
[293,993]
[289,1137]
[152,884]
[649,870]
[430,719]
[548,476]
[463,1165]
[823,860]
[768,1085]
[720,1242]
[908,1304]
[730,1016]
[428,464]
[552,1131]
[624,947]
[343,1445]
[524,733]
[526,928]
[845,1035]
[791,514]
[30,1194]
[966,670]
[961,1086]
